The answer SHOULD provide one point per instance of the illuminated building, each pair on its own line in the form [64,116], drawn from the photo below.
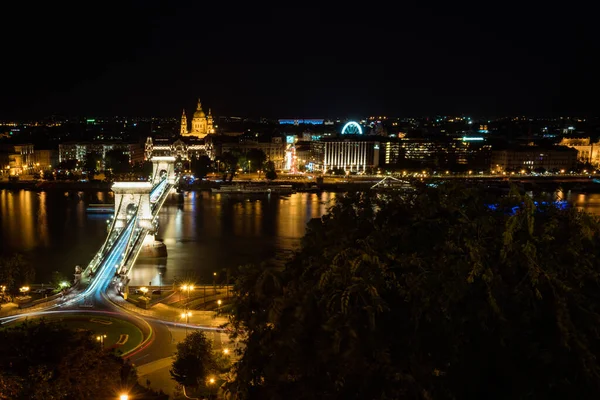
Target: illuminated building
[79,150]
[45,159]
[179,149]
[350,155]
[441,152]
[201,124]
[587,151]
[19,158]
[308,121]
[534,157]
[274,149]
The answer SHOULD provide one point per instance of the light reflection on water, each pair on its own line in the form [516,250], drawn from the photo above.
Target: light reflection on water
[204,232]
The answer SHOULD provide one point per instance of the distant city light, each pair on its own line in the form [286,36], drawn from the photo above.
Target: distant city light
[472,139]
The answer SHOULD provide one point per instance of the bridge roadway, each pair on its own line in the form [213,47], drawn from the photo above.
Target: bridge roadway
[99,295]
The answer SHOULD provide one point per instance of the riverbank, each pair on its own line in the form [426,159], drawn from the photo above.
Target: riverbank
[336,185]
[55,185]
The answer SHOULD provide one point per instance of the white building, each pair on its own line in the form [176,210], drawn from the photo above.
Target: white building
[353,156]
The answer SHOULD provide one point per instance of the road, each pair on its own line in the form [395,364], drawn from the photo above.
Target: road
[99,295]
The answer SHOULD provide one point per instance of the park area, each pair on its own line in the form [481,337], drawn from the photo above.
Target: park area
[111,333]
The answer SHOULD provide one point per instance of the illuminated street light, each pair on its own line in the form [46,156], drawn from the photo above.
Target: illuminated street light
[144,290]
[187,316]
[101,338]
[226,351]
[24,289]
[219,304]
[124,397]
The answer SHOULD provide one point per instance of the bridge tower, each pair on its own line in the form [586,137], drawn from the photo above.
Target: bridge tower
[163,165]
[132,198]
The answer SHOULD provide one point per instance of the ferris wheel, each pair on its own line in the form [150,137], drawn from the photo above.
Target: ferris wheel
[352,128]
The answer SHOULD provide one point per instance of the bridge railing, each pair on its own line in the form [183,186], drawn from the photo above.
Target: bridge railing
[112,234]
[102,257]
[138,236]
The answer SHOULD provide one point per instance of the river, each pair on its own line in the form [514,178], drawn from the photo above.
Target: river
[204,233]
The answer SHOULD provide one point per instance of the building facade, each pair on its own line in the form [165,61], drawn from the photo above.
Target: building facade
[184,150]
[45,159]
[79,150]
[18,159]
[275,150]
[201,123]
[350,155]
[557,158]
[587,151]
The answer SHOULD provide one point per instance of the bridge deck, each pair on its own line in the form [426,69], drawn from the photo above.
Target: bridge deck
[122,245]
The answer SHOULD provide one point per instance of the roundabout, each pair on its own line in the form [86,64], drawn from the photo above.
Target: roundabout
[122,333]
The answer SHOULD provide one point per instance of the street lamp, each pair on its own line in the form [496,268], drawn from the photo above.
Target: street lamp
[187,288]
[187,316]
[24,290]
[101,338]
[214,282]
[226,351]
[144,290]
[219,303]
[124,397]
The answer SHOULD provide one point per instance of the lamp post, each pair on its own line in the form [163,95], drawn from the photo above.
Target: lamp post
[187,288]
[187,316]
[124,397]
[187,313]
[214,282]
[144,290]
[101,338]
[219,306]
[24,290]
[160,281]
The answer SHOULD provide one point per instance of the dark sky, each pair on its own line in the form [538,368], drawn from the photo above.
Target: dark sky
[153,58]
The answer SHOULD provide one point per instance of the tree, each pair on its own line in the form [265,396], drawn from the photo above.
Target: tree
[117,161]
[230,160]
[270,173]
[47,175]
[92,163]
[48,361]
[444,293]
[68,164]
[195,361]
[255,160]
[200,166]
[15,272]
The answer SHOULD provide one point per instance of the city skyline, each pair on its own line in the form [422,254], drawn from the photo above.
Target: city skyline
[153,60]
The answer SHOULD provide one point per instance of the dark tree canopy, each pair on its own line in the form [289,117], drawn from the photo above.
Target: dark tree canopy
[47,361]
[15,271]
[428,295]
[117,161]
[200,166]
[270,173]
[195,361]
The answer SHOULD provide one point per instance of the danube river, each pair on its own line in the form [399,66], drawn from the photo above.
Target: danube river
[204,232]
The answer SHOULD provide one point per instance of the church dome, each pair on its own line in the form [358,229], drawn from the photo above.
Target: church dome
[199,114]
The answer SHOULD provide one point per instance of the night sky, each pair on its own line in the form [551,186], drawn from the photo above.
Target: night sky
[147,59]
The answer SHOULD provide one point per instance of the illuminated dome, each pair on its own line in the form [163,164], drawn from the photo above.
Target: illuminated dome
[199,113]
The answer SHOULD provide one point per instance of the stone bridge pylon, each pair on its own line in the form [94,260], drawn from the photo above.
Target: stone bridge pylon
[163,166]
